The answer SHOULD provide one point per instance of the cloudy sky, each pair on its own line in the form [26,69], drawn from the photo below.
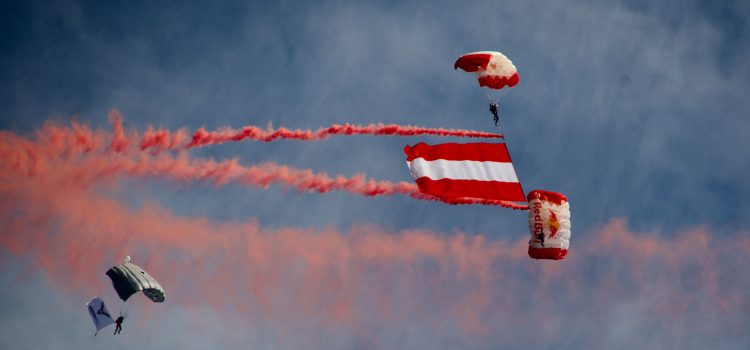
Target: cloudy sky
[636,110]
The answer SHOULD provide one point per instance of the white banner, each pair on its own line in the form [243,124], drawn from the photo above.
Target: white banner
[99,313]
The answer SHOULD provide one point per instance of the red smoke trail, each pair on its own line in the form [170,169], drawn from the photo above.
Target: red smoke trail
[368,282]
[119,141]
[378,280]
[73,150]
[162,140]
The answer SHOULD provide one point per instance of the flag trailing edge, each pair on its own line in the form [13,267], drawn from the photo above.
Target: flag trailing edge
[470,170]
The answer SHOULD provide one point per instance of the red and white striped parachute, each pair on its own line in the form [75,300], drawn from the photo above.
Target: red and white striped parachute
[549,225]
[493,69]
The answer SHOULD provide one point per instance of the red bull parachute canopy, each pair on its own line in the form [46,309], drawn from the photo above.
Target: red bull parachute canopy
[549,225]
[493,69]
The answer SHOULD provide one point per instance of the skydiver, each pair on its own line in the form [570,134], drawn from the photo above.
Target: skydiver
[118,324]
[494,110]
[540,237]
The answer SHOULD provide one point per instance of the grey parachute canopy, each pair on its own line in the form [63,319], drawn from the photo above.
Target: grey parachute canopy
[129,278]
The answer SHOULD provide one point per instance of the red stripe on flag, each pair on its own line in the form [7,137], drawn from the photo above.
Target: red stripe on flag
[448,188]
[479,151]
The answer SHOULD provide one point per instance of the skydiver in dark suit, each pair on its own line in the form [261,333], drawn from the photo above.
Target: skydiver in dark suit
[495,111]
[540,236]
[118,324]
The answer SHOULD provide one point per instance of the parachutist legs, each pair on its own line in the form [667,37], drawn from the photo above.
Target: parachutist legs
[494,110]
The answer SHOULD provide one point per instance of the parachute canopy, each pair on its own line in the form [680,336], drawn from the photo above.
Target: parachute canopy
[549,225]
[493,69]
[99,313]
[128,279]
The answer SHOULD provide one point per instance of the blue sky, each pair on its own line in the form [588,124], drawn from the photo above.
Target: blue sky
[636,110]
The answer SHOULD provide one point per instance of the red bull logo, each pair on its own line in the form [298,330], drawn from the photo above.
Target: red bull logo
[553,224]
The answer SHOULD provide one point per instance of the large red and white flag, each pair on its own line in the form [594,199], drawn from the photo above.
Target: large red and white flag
[473,170]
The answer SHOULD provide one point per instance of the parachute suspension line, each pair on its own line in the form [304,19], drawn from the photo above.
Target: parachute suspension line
[494,106]
[129,305]
[125,307]
[494,99]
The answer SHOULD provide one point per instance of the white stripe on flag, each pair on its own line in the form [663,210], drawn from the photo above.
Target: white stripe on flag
[462,170]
